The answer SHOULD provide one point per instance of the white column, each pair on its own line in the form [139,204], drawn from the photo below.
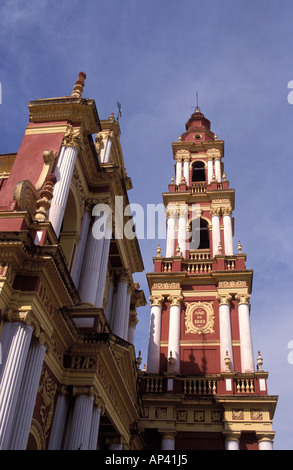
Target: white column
[174,330]
[171,221]
[216,233]
[63,173]
[218,169]
[27,397]
[182,229]
[11,377]
[107,152]
[94,432]
[246,350]
[168,442]
[186,171]
[118,321]
[232,441]
[59,421]
[89,278]
[228,235]
[81,422]
[153,362]
[103,274]
[210,169]
[109,305]
[225,331]
[80,249]
[265,443]
[178,171]
[127,311]
[5,342]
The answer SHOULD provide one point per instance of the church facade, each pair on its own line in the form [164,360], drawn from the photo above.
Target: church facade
[69,375]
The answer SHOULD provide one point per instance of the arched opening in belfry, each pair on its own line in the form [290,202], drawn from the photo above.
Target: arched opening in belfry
[198,172]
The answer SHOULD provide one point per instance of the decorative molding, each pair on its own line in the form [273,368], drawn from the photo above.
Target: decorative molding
[199,318]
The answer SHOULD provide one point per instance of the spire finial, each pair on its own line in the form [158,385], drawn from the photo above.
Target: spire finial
[197,107]
[79,85]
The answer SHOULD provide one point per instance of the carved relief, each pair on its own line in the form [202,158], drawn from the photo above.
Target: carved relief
[48,389]
[199,318]
[237,415]
[199,416]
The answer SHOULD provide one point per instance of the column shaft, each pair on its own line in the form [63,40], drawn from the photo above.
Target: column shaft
[178,172]
[11,377]
[174,331]
[216,234]
[228,235]
[81,423]
[27,397]
[118,323]
[63,172]
[153,362]
[79,254]
[225,335]
[246,350]
[186,172]
[58,425]
[170,250]
[94,433]
[218,170]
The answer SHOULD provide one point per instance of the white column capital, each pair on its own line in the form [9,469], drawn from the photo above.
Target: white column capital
[224,299]
[175,299]
[156,300]
[243,299]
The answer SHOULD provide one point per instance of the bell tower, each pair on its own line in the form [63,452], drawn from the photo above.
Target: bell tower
[203,387]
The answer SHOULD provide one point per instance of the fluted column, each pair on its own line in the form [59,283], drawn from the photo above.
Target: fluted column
[93,264]
[171,222]
[228,233]
[81,420]
[182,229]
[174,330]
[218,172]
[79,254]
[225,331]
[118,322]
[27,396]
[98,410]
[59,421]
[12,373]
[216,233]
[246,350]
[153,362]
[5,341]
[63,172]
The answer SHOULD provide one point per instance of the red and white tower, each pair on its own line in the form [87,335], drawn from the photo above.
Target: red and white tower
[204,387]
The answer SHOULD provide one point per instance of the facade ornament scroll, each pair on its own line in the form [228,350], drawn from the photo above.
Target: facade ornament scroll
[25,316]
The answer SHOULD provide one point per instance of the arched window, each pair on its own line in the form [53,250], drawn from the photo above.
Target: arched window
[200,235]
[198,172]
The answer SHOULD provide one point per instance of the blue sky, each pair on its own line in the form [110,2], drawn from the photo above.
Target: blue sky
[153,56]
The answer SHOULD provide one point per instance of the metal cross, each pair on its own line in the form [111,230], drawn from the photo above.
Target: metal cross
[119,110]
